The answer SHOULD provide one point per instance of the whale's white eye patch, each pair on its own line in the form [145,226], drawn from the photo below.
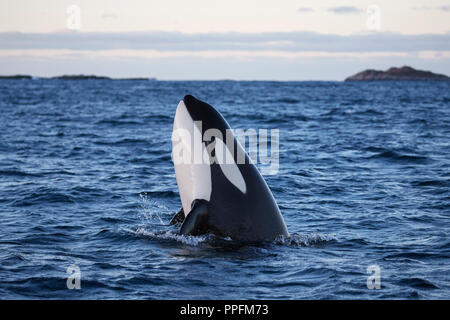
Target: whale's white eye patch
[228,166]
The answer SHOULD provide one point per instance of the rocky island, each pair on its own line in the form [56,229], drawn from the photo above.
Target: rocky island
[81,77]
[74,77]
[17,77]
[403,73]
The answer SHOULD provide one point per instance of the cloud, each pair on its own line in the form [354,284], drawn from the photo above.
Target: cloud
[345,10]
[153,54]
[422,8]
[305,9]
[109,16]
[268,41]
[428,8]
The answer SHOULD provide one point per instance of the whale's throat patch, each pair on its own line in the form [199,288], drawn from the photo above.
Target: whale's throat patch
[193,176]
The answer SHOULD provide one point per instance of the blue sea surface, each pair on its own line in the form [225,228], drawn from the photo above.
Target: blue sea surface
[86,179]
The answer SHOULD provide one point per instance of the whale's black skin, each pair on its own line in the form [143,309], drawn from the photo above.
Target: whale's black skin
[252,216]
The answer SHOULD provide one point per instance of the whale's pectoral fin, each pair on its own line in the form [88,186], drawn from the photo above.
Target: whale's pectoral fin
[197,221]
[178,217]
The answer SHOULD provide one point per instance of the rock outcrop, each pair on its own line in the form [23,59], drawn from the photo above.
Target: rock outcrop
[81,77]
[403,73]
[17,76]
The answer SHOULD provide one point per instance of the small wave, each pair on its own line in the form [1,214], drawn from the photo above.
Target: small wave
[288,119]
[281,118]
[159,194]
[122,142]
[170,235]
[18,173]
[431,183]
[351,112]
[395,156]
[116,122]
[57,285]
[417,283]
[356,242]
[286,100]
[295,240]
[153,117]
[332,112]
[60,172]
[415,255]
[445,245]
[369,112]
[43,197]
[306,240]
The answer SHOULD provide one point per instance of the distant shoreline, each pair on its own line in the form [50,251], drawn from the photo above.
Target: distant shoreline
[72,77]
[368,75]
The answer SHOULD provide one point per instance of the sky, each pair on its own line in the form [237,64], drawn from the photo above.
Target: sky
[241,40]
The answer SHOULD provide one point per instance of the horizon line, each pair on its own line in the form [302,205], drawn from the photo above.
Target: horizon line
[103,77]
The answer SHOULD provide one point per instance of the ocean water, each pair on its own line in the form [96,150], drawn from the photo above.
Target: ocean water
[86,179]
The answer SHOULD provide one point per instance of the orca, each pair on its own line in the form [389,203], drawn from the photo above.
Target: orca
[221,190]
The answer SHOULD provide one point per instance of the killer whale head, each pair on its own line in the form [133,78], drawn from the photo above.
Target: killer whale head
[220,188]
[202,137]
[201,111]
